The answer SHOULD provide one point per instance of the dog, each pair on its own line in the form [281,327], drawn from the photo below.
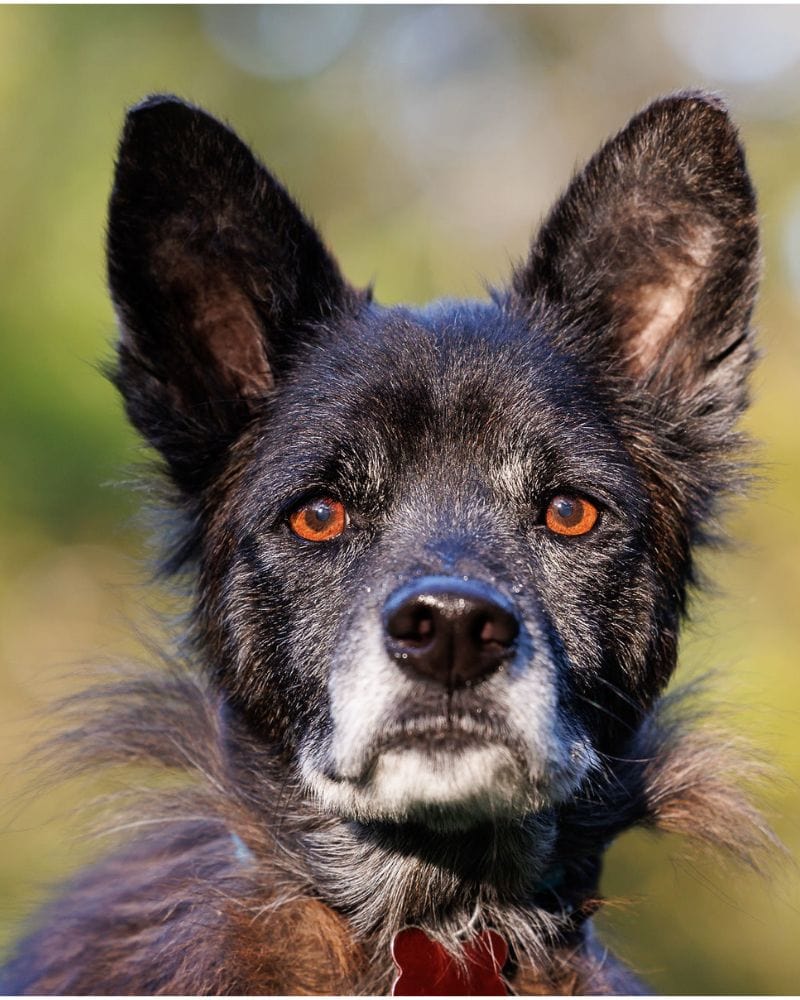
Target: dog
[438,559]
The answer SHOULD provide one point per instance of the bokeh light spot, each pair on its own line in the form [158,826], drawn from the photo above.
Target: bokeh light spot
[747,44]
[281,42]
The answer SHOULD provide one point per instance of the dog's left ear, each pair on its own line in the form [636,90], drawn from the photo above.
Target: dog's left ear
[217,278]
[649,261]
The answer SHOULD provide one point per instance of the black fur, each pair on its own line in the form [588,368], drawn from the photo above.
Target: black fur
[613,368]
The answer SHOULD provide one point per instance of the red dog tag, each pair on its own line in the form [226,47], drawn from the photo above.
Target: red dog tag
[428,969]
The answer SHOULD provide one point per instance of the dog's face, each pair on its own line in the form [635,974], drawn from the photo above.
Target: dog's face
[442,552]
[397,588]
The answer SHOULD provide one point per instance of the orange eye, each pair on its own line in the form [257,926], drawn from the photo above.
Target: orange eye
[568,515]
[319,520]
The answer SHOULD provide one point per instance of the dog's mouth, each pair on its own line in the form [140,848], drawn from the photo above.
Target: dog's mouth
[447,770]
[443,734]
[459,766]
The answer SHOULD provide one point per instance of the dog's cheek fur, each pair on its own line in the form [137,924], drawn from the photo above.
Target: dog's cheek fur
[270,607]
[601,605]
[265,617]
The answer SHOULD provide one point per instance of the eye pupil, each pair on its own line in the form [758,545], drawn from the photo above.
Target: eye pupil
[567,510]
[319,514]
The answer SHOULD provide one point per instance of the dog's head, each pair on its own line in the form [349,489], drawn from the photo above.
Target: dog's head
[441,553]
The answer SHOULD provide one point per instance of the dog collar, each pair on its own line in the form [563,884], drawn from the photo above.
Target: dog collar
[426,968]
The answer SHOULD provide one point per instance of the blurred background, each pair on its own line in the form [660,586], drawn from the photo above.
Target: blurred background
[426,142]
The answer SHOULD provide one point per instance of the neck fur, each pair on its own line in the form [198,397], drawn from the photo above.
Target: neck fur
[534,881]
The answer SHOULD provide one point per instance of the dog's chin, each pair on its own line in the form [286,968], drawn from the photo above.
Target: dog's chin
[444,787]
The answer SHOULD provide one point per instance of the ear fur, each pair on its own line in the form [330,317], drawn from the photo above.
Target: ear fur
[214,272]
[650,259]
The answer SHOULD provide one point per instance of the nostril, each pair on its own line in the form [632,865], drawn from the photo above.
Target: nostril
[487,632]
[412,625]
[424,625]
[497,628]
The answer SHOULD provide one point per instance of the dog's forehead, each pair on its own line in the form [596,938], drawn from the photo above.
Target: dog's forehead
[450,370]
[458,391]
[437,357]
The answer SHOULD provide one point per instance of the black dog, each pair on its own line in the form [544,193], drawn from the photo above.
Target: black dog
[439,559]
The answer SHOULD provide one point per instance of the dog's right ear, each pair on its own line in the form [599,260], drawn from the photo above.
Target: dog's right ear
[215,275]
[650,262]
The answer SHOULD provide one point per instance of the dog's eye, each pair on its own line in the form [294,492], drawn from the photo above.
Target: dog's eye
[570,515]
[319,520]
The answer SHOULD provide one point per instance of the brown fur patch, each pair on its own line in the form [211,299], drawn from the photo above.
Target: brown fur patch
[300,948]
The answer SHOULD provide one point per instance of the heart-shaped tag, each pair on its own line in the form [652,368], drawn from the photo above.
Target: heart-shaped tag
[426,968]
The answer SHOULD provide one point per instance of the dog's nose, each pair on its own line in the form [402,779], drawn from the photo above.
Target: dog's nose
[453,631]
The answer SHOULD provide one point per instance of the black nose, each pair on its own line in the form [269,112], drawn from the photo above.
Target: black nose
[453,631]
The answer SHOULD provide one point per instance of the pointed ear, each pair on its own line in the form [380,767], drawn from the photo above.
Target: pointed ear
[650,259]
[214,273]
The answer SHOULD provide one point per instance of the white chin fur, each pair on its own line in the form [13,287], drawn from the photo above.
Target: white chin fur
[454,788]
